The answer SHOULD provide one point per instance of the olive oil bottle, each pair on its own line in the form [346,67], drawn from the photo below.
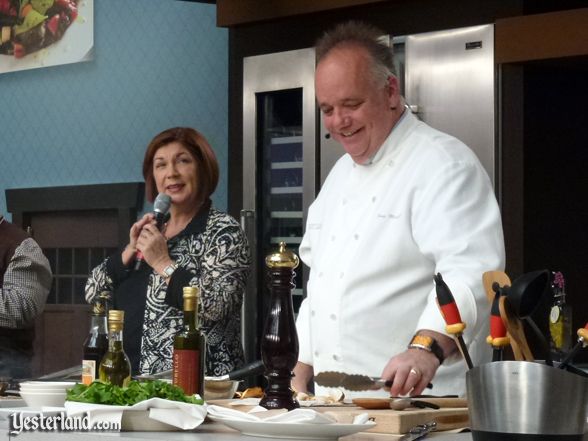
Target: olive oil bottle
[96,343]
[115,367]
[560,320]
[190,348]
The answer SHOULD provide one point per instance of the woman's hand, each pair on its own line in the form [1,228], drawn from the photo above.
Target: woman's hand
[128,254]
[153,245]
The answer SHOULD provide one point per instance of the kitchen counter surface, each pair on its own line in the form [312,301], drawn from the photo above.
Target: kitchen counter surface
[204,433]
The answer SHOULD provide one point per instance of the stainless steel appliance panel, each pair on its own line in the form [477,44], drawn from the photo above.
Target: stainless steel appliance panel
[279,167]
[450,83]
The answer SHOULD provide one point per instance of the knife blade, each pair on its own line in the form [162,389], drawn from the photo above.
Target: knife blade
[419,431]
[352,382]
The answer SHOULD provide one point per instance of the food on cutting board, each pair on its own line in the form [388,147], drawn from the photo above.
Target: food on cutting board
[250,392]
[136,391]
[334,397]
[30,25]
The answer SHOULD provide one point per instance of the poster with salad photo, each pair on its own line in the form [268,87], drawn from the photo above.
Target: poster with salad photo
[42,33]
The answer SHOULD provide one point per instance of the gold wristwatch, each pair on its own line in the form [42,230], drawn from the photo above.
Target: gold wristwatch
[427,343]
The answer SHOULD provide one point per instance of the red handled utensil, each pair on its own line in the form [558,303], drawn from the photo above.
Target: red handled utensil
[582,343]
[450,312]
[497,338]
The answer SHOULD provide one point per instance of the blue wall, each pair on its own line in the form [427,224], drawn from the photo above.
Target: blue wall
[157,64]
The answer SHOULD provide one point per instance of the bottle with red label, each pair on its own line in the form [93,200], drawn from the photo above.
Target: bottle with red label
[190,348]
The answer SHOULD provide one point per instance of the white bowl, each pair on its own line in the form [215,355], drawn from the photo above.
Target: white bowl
[220,389]
[40,399]
[42,391]
[59,385]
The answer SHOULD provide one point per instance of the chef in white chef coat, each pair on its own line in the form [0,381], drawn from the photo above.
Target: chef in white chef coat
[404,203]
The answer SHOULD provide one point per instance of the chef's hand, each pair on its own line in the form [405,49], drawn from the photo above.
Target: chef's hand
[128,254]
[413,369]
[303,374]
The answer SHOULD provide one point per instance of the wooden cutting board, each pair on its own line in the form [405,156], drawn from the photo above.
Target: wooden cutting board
[401,421]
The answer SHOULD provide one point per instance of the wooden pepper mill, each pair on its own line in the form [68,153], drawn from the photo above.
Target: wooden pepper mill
[279,342]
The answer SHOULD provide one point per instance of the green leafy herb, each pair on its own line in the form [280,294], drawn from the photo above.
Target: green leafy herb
[136,391]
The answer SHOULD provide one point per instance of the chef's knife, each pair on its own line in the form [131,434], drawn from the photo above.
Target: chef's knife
[353,382]
[419,431]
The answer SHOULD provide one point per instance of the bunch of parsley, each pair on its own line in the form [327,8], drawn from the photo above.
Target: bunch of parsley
[136,391]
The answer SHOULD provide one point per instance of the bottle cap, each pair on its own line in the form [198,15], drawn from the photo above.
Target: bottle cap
[284,258]
[191,291]
[116,315]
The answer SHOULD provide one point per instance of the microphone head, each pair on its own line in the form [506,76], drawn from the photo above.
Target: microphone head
[162,203]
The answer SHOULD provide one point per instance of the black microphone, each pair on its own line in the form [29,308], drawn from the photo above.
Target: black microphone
[160,210]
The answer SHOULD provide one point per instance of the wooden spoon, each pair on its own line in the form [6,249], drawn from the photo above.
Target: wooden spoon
[488,279]
[515,329]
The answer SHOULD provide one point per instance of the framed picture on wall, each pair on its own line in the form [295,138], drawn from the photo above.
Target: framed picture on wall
[42,33]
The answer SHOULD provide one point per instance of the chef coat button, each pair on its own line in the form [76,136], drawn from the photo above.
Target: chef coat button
[390,163]
[341,275]
[316,353]
[332,238]
[336,357]
[333,317]
[321,274]
[373,199]
[356,236]
[312,313]
[344,201]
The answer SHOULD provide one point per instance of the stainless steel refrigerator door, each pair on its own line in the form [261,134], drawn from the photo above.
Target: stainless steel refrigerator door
[450,83]
[279,165]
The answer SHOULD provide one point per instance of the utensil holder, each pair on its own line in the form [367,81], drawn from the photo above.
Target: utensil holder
[517,400]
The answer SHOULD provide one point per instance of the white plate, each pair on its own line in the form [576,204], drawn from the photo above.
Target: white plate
[75,45]
[294,430]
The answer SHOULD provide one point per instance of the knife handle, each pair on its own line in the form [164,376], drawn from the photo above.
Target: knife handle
[388,384]
[255,368]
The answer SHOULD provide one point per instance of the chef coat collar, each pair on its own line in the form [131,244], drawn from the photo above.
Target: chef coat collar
[406,120]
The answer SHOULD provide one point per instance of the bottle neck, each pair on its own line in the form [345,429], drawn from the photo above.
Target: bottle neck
[115,339]
[191,315]
[99,324]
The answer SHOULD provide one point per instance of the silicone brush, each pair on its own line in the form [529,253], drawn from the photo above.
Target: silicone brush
[497,338]
[450,312]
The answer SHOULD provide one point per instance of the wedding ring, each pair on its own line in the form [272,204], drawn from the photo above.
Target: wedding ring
[414,372]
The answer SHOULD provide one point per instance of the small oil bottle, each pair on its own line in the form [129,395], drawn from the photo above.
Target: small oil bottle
[560,319]
[115,367]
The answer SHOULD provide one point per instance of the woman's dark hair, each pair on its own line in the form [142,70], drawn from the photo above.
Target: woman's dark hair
[206,164]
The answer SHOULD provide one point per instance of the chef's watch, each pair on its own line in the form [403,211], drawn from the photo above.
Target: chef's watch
[427,343]
[169,270]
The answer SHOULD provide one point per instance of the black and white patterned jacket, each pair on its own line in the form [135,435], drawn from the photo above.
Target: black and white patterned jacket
[211,253]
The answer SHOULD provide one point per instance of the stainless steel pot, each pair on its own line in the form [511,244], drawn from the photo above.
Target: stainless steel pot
[519,400]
